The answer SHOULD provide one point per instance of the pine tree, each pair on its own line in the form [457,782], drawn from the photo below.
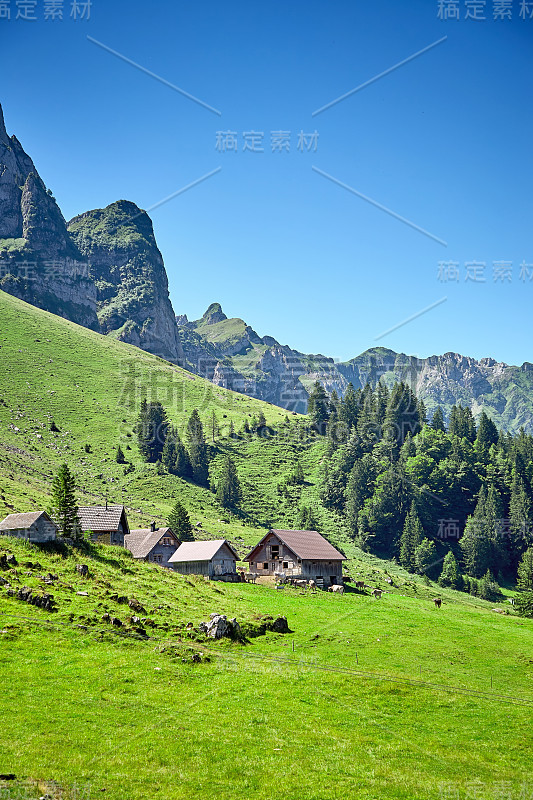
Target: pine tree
[120,458]
[437,421]
[475,546]
[519,513]
[349,412]
[168,456]
[318,408]
[228,487]
[63,506]
[180,522]
[182,463]
[451,574]
[198,453]
[360,486]
[525,572]
[426,558]
[412,536]
[487,435]
[151,430]
[488,588]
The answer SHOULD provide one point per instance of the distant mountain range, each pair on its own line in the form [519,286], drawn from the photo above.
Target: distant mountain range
[104,271]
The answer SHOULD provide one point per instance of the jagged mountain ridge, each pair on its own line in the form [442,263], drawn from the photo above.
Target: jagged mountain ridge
[112,279]
[231,354]
[130,278]
[39,262]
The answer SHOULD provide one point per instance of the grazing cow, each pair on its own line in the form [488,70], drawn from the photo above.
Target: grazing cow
[301,584]
[437,601]
[312,585]
[336,589]
[388,580]
[359,584]
[376,593]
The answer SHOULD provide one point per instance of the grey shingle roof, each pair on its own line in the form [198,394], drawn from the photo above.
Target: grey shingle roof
[307,545]
[15,522]
[199,551]
[100,518]
[140,542]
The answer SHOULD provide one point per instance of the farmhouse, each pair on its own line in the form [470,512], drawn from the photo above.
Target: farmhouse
[297,553]
[214,558]
[154,544]
[108,524]
[35,526]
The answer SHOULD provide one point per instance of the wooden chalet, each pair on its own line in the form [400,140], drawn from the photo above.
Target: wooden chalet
[107,524]
[304,554]
[152,544]
[34,526]
[214,558]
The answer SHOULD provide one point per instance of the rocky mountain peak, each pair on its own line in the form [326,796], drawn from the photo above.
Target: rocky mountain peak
[214,314]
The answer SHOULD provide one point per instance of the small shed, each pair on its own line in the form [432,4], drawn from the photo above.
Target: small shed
[108,524]
[34,526]
[304,554]
[152,544]
[213,558]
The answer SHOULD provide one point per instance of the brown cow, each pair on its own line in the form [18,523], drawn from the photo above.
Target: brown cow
[359,584]
[437,601]
[376,593]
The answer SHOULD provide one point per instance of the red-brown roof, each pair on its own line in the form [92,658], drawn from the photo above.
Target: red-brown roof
[306,545]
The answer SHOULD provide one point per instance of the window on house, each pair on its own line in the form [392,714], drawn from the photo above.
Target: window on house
[265,566]
[158,558]
[166,540]
[285,565]
[275,550]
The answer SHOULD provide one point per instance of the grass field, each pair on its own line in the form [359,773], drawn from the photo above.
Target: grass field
[379,699]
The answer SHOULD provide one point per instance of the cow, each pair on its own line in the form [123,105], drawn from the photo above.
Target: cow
[336,589]
[312,585]
[437,601]
[359,584]
[376,593]
[301,584]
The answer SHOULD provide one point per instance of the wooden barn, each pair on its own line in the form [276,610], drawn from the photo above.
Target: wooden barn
[152,544]
[108,524]
[304,554]
[34,526]
[214,558]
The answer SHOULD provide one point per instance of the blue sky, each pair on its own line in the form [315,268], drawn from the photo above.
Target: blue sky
[443,141]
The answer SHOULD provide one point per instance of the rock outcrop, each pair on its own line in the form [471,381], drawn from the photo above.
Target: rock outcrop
[39,263]
[130,278]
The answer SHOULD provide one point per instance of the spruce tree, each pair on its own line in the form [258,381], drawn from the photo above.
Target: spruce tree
[437,421]
[519,513]
[198,453]
[168,456]
[412,536]
[63,506]
[180,522]
[525,572]
[228,487]
[476,548]
[426,558]
[318,408]
[451,574]
[151,430]
[120,458]
[182,463]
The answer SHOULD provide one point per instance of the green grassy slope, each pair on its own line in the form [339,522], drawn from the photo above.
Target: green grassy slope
[346,704]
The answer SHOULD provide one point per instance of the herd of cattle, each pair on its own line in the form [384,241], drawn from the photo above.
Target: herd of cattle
[300,583]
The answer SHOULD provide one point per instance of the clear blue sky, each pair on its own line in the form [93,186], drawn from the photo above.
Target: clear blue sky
[444,141]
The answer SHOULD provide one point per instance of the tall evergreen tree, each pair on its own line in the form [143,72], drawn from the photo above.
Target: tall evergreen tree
[426,558]
[520,520]
[180,522]
[151,430]
[228,487]
[168,456]
[63,505]
[487,435]
[182,463]
[349,413]
[437,421]
[412,536]
[318,408]
[451,574]
[476,548]
[198,452]
[525,572]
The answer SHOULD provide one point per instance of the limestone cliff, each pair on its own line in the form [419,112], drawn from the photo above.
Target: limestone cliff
[39,262]
[130,278]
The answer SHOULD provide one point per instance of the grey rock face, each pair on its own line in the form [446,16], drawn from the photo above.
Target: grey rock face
[130,278]
[39,263]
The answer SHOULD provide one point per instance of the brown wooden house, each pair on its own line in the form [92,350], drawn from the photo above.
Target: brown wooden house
[153,544]
[214,558]
[107,524]
[304,554]
[34,526]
